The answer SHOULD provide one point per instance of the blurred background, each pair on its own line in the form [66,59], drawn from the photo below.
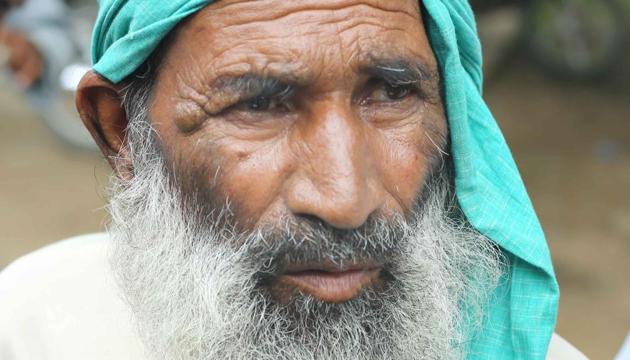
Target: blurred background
[557,80]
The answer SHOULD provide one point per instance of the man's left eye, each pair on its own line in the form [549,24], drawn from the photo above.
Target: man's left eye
[259,103]
[388,93]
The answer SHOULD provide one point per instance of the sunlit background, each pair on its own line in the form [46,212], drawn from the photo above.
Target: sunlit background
[568,127]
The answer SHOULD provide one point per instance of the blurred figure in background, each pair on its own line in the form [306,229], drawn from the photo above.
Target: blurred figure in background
[38,40]
[43,45]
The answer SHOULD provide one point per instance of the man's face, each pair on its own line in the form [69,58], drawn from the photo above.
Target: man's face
[324,110]
[290,196]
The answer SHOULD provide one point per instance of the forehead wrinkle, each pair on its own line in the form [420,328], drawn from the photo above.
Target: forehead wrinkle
[222,27]
[251,11]
[353,23]
[223,14]
[275,59]
[336,22]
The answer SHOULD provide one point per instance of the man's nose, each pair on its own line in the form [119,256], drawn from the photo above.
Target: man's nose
[337,178]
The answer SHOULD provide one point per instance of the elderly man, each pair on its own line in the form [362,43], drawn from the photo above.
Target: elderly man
[293,180]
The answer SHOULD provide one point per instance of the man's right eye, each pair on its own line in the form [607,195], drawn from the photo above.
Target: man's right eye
[263,103]
[259,103]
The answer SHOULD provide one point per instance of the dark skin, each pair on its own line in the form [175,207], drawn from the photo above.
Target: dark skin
[320,109]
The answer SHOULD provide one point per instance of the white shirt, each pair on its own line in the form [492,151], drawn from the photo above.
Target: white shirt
[61,303]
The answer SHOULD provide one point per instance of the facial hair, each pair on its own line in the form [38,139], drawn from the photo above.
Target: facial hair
[195,289]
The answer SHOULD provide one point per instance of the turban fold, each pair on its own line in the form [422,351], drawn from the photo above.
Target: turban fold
[522,313]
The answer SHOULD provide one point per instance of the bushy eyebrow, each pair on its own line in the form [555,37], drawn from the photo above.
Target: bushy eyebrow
[251,85]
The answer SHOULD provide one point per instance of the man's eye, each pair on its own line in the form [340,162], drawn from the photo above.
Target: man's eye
[388,93]
[397,92]
[257,104]
[263,103]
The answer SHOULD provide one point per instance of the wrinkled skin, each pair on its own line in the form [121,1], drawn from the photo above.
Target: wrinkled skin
[332,139]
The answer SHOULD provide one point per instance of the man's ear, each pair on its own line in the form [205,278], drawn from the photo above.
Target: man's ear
[100,106]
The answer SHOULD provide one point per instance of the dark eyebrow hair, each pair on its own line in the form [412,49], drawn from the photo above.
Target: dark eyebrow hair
[283,84]
[250,85]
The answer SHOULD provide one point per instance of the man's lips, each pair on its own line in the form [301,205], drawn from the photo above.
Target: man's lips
[324,282]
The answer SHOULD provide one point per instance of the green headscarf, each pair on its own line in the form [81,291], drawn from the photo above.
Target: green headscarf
[522,313]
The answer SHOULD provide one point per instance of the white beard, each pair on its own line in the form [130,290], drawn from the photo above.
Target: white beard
[195,295]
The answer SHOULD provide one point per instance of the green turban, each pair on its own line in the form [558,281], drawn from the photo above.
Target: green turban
[522,313]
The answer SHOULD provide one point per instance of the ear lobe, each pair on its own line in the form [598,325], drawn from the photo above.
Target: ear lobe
[100,108]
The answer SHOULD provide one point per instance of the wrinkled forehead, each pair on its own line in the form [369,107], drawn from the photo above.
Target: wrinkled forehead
[234,12]
[349,32]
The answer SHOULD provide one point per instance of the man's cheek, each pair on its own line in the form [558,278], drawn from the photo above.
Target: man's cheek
[253,184]
[404,166]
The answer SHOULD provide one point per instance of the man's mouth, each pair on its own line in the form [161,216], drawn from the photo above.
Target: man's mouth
[325,282]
